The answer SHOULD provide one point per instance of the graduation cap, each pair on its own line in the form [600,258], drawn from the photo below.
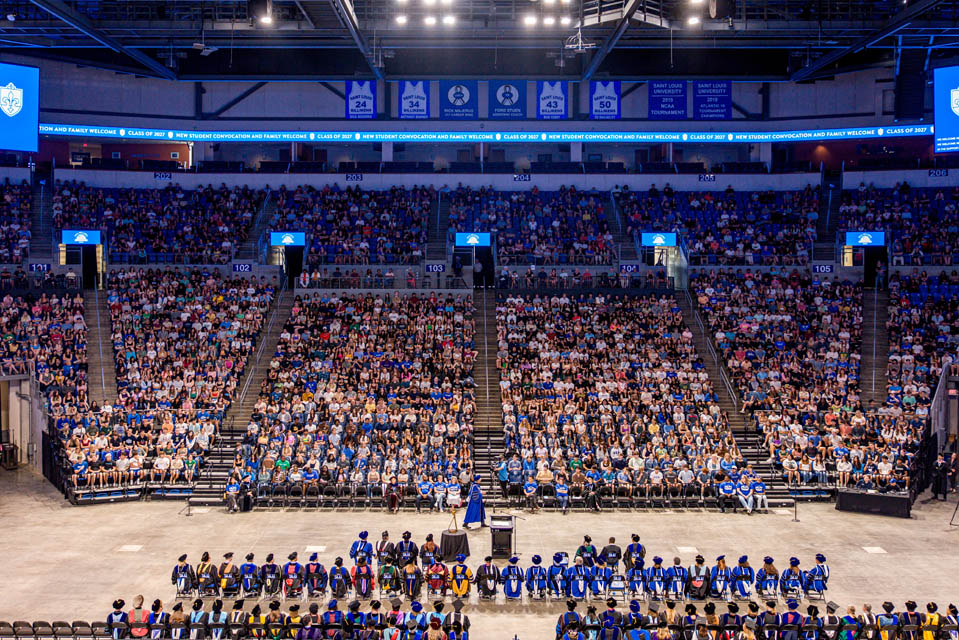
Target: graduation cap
[249,557]
[813,610]
[753,606]
[654,607]
[178,606]
[396,603]
[294,607]
[275,605]
[205,557]
[732,607]
[709,608]
[634,606]
[635,537]
[386,534]
[332,604]
[364,534]
[228,555]
[411,624]
[438,606]
[157,605]
[429,537]
[820,557]
[770,603]
[182,558]
[460,557]
[118,604]
[217,605]
[313,557]
[570,604]
[407,535]
[269,557]
[355,605]
[458,605]
[888,607]
[832,607]
[237,605]
[611,602]
[197,604]
[690,609]
[536,559]
[415,606]
[292,556]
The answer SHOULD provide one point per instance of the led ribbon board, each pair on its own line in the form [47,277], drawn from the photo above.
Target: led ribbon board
[716,137]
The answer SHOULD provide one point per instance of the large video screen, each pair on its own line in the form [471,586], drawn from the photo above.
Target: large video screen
[19,107]
[945,90]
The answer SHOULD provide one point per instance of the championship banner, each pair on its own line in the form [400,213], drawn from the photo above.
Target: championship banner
[361,100]
[667,100]
[713,100]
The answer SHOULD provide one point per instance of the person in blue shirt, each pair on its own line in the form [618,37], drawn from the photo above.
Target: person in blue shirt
[232,495]
[758,488]
[502,475]
[727,495]
[744,492]
[562,493]
[424,494]
[529,491]
[439,493]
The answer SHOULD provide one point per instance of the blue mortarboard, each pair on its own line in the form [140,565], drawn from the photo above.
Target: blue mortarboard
[634,606]
[792,604]
[513,560]
[768,559]
[536,559]
[363,535]
[820,557]
[794,562]
[460,557]
[331,605]
[557,557]
[313,557]
[744,558]
[657,560]
[416,607]
[718,558]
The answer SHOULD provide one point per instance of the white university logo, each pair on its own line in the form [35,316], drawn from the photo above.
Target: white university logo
[605,101]
[413,100]
[11,99]
[659,239]
[552,102]
[953,101]
[81,238]
[360,100]
[286,238]
[507,95]
[458,95]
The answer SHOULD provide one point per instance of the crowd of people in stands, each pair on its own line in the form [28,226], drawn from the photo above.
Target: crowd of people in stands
[537,227]
[181,340]
[366,394]
[606,393]
[566,278]
[168,225]
[730,227]
[16,210]
[922,223]
[352,226]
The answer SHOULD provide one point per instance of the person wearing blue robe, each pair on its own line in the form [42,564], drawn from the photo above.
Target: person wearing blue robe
[198,617]
[767,578]
[812,624]
[217,620]
[730,619]
[635,553]
[270,576]
[250,577]
[316,577]
[887,622]
[743,577]
[817,578]
[340,580]
[577,579]
[636,579]
[332,620]
[475,511]
[567,619]
[676,577]
[183,577]
[656,579]
[406,551]
[610,630]
[793,580]
[511,577]
[556,575]
[537,580]
[633,623]
[599,577]
[361,548]
[292,577]
[719,577]
[119,617]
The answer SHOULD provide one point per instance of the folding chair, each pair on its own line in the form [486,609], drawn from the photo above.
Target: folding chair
[6,630]
[82,630]
[23,629]
[42,630]
[62,630]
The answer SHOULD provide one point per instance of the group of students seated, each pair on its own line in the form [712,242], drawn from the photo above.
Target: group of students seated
[565,278]
[729,227]
[365,395]
[404,569]
[922,223]
[16,211]
[537,227]
[168,225]
[607,392]
[352,226]
[768,622]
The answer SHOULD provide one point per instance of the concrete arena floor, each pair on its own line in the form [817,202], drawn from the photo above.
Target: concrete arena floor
[70,563]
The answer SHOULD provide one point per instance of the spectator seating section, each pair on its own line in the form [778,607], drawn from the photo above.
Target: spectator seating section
[16,210]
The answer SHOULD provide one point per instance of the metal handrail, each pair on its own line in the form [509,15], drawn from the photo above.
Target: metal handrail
[259,350]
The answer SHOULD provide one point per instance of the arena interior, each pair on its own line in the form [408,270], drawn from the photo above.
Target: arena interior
[502,319]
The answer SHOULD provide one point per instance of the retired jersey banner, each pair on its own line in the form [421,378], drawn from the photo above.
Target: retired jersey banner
[361,100]
[459,100]
[552,100]
[604,100]
[414,100]
[507,100]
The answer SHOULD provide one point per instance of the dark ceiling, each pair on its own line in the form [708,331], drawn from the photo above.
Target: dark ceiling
[626,39]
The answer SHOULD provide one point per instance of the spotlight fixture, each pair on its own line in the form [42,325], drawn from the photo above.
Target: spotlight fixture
[400,19]
[549,1]
[692,21]
[446,2]
[429,21]
[549,21]
[261,11]
[429,3]
[696,2]
[448,20]
[565,20]
[530,20]
[12,17]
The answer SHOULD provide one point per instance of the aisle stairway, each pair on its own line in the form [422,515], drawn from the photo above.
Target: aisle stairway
[488,439]
[624,242]
[209,490]
[875,348]
[743,428]
[247,250]
[439,224]
[101,372]
[41,223]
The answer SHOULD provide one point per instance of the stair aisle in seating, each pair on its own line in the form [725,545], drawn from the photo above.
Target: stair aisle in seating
[247,250]
[624,241]
[875,348]
[101,369]
[489,442]
[41,223]
[209,490]
[749,442]
[438,225]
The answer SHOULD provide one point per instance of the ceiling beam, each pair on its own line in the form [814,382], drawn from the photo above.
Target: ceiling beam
[81,23]
[899,21]
[344,9]
[628,10]
[309,20]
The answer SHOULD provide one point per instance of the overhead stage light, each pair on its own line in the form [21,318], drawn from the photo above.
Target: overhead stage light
[565,20]
[692,21]
[429,21]
[261,11]
[448,20]
[530,20]
[400,19]
[549,21]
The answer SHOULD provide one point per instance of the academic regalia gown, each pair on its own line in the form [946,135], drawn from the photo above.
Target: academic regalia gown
[412,580]
[676,579]
[656,581]
[636,578]
[537,581]
[557,580]
[599,578]
[512,580]
[817,578]
[742,581]
[316,578]
[437,578]
[270,578]
[184,578]
[719,581]
[207,577]
[249,577]
[292,578]
[487,580]
[475,510]
[361,549]
[564,621]
[792,581]
[460,578]
[768,583]
[406,552]
[340,581]
[363,580]
[577,581]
